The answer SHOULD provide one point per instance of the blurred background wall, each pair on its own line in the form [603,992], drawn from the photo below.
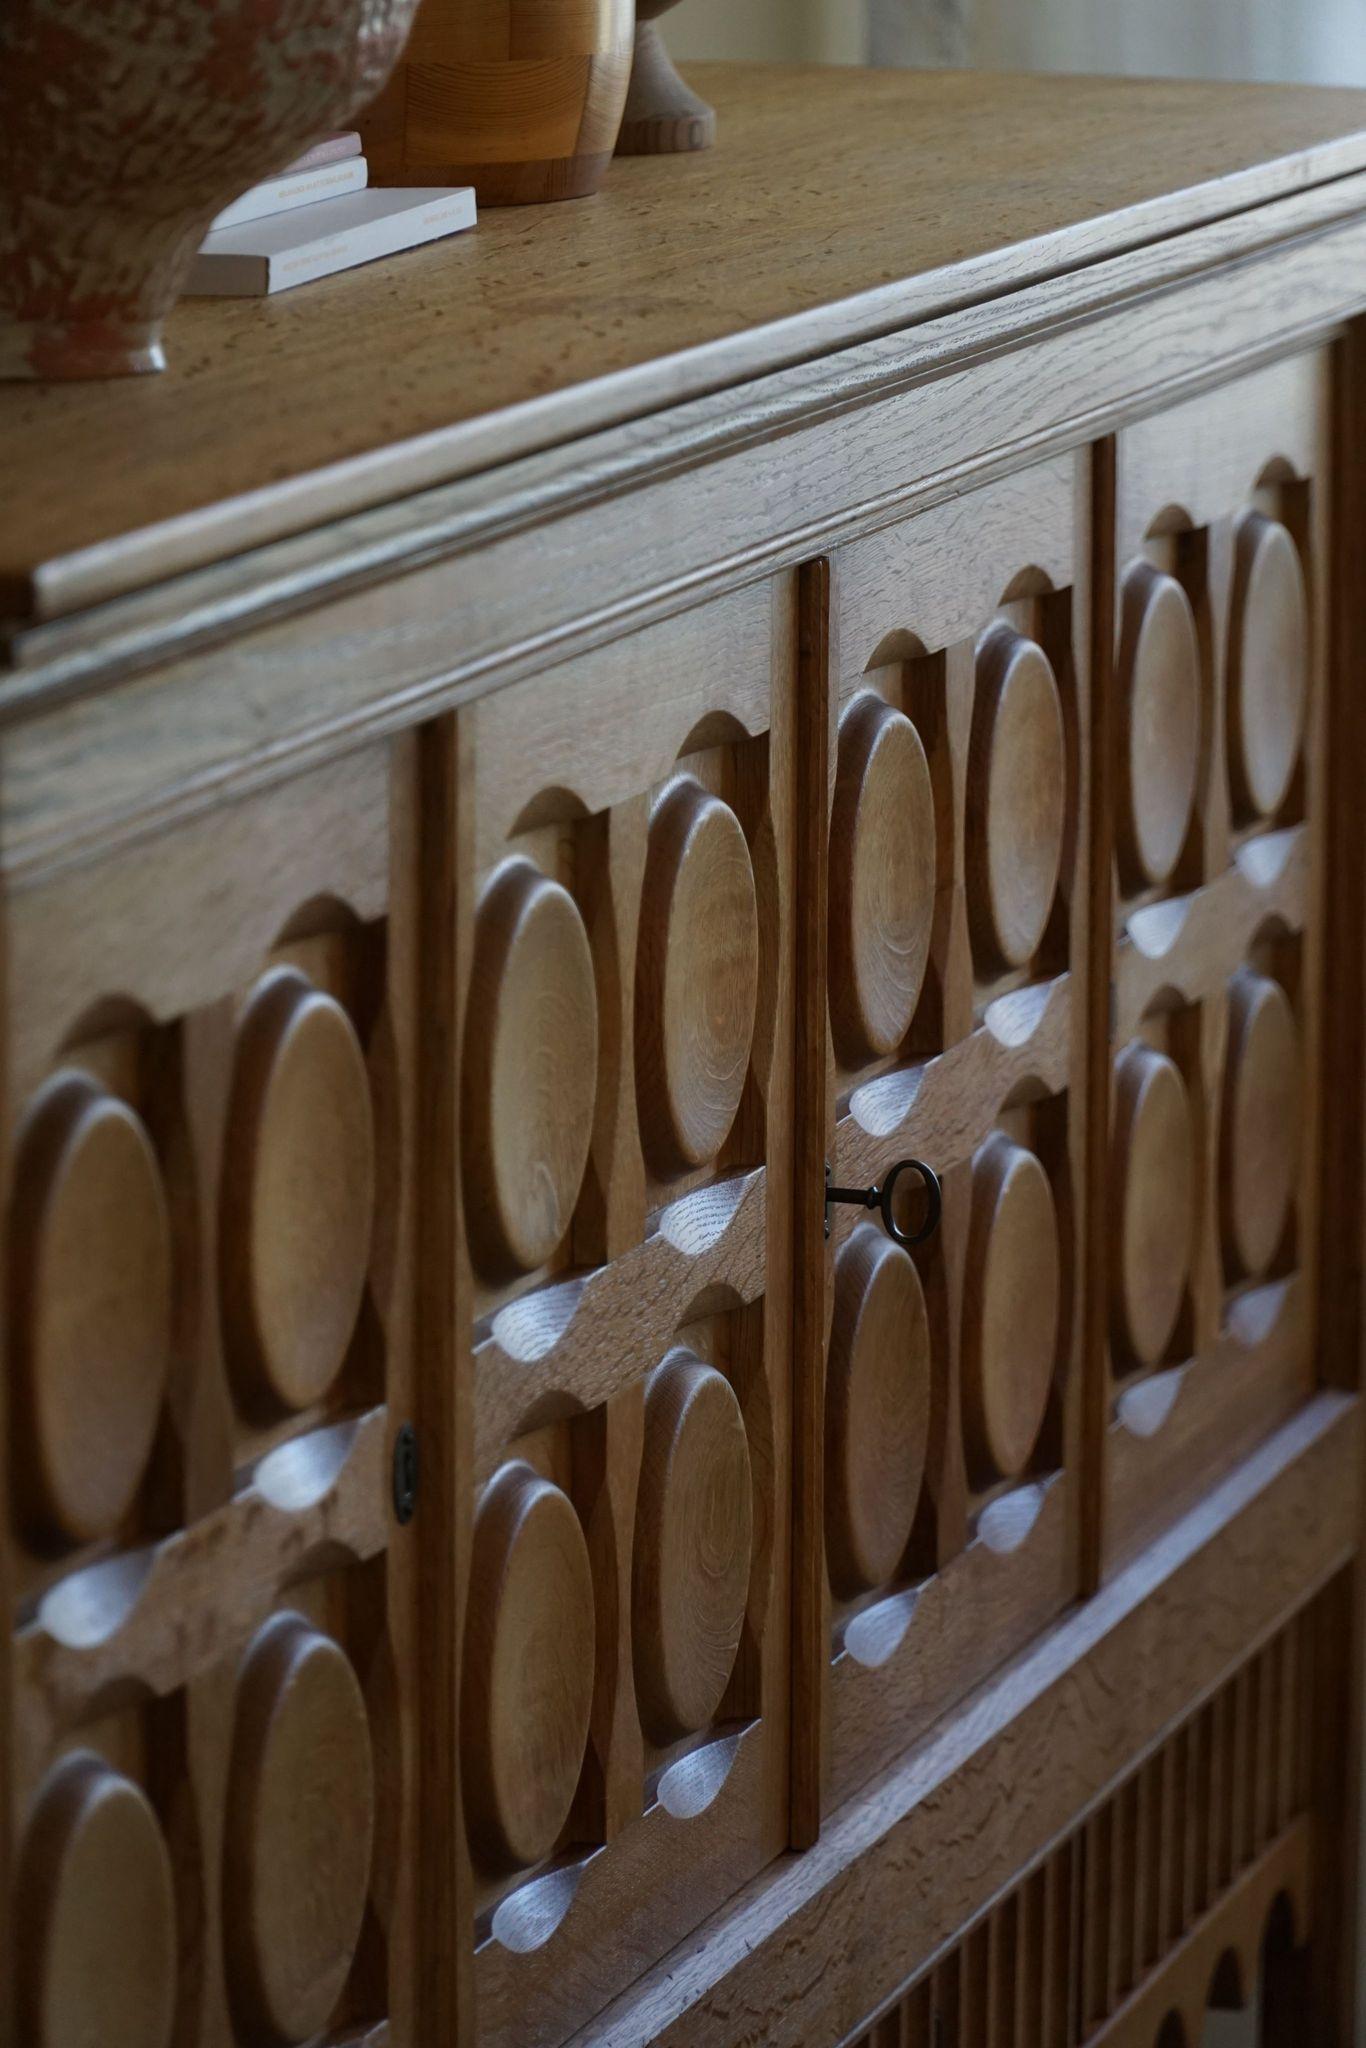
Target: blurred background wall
[1319,40]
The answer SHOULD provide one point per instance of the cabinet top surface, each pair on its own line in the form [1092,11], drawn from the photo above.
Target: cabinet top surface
[837,205]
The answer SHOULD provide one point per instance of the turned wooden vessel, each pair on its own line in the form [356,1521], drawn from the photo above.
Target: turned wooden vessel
[519,98]
[663,114]
[180,106]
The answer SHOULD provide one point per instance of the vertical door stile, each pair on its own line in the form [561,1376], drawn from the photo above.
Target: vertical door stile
[445,1993]
[1099,652]
[818,665]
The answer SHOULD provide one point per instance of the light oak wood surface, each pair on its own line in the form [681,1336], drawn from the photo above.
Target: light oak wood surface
[1156,1193]
[298,1192]
[1159,697]
[515,1563]
[877,1410]
[881,879]
[1268,664]
[694,1530]
[262,394]
[91,1259]
[301,1820]
[97,1951]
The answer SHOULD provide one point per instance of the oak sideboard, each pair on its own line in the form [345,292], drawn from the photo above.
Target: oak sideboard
[681,945]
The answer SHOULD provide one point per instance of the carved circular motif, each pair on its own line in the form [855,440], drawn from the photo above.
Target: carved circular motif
[1155,1183]
[300,1819]
[1017,805]
[694,1536]
[95,1954]
[531,1070]
[1011,1308]
[1159,709]
[1260,1137]
[528,1676]
[697,977]
[298,1193]
[877,1410]
[1268,665]
[882,879]
[91,1325]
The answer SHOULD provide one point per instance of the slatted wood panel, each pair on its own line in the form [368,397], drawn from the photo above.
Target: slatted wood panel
[1193,1888]
[957,918]
[209,1052]
[1216,708]
[626,1182]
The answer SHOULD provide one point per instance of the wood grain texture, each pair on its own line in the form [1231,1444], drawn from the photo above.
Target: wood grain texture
[975,221]
[882,879]
[1268,664]
[1155,1184]
[528,1670]
[301,1822]
[1090,1694]
[693,1543]
[877,1410]
[1016,809]
[1159,686]
[1260,1141]
[298,1193]
[90,1330]
[530,1070]
[1011,1307]
[697,977]
[97,1930]
[519,99]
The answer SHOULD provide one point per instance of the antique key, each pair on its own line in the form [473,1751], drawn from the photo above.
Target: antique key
[882,1198]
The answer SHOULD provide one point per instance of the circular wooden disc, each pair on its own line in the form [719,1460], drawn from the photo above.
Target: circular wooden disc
[300,1818]
[1155,1183]
[1011,1306]
[529,1657]
[877,1410]
[531,1070]
[298,1192]
[694,1533]
[697,977]
[882,877]
[95,1956]
[1268,665]
[1259,1151]
[1159,708]
[91,1333]
[1018,770]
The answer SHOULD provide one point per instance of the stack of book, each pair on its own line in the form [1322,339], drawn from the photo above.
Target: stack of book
[318,217]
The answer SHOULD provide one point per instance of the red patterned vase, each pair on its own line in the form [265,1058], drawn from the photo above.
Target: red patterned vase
[125,125]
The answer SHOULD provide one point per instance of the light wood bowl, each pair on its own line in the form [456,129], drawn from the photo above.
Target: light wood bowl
[663,115]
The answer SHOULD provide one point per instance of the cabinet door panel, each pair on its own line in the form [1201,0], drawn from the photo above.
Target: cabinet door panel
[956,982]
[213,1664]
[626,1133]
[1216,720]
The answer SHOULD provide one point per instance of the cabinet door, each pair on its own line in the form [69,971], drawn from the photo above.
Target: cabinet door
[943,1502]
[210,1686]
[625,847]
[1216,711]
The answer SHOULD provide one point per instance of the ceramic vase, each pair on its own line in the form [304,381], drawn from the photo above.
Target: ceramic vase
[126,125]
[663,115]
[520,98]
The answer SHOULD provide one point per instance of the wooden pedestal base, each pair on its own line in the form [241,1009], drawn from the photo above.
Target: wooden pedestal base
[663,115]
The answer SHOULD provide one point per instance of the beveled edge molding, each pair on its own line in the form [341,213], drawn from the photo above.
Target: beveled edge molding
[1236,213]
[1245,1558]
[123,604]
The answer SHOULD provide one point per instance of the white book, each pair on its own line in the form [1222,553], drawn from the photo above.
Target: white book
[293,248]
[294,188]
